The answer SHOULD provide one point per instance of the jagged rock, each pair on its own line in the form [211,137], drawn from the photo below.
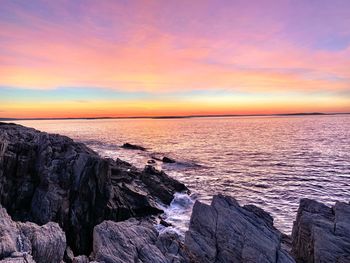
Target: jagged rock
[48,177]
[321,233]
[227,232]
[27,241]
[160,184]
[135,241]
[130,146]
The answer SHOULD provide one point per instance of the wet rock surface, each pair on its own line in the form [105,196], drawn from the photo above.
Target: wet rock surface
[321,233]
[226,232]
[48,177]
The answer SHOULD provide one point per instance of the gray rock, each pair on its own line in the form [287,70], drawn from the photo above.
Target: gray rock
[48,177]
[48,241]
[170,244]
[321,233]
[81,259]
[135,241]
[227,232]
[24,258]
[9,235]
[28,242]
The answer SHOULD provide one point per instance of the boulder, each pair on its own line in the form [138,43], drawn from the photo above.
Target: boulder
[168,160]
[28,242]
[48,177]
[48,242]
[130,146]
[135,241]
[226,232]
[321,233]
[151,162]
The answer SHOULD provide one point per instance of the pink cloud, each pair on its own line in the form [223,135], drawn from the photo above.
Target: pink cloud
[161,47]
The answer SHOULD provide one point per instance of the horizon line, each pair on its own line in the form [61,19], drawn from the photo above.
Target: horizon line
[178,116]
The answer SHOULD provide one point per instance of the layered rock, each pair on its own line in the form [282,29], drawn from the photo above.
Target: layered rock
[321,233]
[135,241]
[226,232]
[28,242]
[47,177]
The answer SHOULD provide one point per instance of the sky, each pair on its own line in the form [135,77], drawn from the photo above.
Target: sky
[91,58]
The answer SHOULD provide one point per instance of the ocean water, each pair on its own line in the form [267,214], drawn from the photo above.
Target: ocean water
[271,162]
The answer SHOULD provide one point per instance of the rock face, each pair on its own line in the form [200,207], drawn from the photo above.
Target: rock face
[135,241]
[321,233]
[47,177]
[227,232]
[26,242]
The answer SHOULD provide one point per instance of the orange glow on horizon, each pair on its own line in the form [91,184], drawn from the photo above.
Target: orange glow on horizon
[156,108]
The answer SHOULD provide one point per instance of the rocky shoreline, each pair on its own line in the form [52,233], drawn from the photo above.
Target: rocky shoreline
[62,202]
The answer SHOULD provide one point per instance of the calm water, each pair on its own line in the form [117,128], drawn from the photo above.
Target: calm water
[268,161]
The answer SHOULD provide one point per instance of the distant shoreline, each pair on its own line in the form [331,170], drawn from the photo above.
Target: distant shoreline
[182,116]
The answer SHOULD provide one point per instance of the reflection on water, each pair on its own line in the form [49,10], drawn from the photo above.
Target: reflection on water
[268,161]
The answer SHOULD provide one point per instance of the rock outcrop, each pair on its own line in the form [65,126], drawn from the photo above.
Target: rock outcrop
[226,232]
[136,241]
[322,233]
[28,242]
[48,177]
[130,146]
[104,206]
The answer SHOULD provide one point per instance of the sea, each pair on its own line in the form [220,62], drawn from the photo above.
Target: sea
[271,162]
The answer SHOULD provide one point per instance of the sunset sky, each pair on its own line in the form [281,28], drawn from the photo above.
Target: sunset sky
[139,58]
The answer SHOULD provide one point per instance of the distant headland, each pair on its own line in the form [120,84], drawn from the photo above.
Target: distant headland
[180,116]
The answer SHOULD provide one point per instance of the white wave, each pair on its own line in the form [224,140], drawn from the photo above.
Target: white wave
[178,213]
